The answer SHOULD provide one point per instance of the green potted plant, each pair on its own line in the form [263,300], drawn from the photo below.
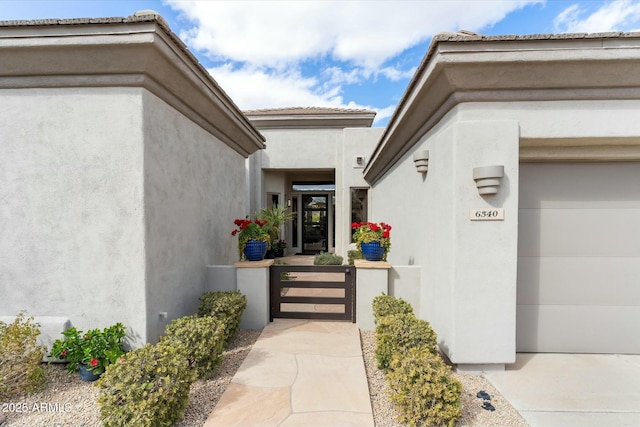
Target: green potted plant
[373,239]
[276,217]
[90,353]
[278,248]
[253,239]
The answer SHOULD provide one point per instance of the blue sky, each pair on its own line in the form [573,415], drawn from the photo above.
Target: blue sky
[348,54]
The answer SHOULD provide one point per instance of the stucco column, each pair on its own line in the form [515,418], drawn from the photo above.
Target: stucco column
[372,279]
[253,282]
[482,265]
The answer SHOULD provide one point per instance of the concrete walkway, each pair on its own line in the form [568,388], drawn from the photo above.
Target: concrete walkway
[573,390]
[299,373]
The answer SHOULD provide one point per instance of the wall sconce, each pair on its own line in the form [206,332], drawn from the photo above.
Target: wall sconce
[488,179]
[421,160]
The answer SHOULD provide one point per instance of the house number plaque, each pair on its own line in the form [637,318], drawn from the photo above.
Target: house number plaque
[484,214]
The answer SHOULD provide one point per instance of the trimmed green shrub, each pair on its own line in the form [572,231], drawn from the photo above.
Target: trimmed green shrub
[423,389]
[384,305]
[353,255]
[227,307]
[147,387]
[20,357]
[325,258]
[203,337]
[398,333]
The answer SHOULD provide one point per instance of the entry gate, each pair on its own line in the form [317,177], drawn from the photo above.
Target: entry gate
[313,292]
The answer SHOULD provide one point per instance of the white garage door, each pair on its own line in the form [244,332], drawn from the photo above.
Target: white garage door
[579,258]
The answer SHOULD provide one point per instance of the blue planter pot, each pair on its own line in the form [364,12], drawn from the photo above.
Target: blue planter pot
[255,250]
[86,374]
[372,251]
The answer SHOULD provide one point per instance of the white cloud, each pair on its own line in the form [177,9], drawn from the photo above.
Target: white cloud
[395,74]
[254,88]
[619,15]
[384,113]
[266,45]
[365,33]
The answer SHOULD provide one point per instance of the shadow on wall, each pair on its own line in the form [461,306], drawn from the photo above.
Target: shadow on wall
[404,282]
[221,278]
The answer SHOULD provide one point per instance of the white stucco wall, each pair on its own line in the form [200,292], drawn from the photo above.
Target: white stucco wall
[194,189]
[356,142]
[294,154]
[71,215]
[562,119]
[300,148]
[468,277]
[289,149]
[467,280]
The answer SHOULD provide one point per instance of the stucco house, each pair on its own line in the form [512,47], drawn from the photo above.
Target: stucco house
[313,165]
[123,164]
[555,265]
[559,271]
[510,172]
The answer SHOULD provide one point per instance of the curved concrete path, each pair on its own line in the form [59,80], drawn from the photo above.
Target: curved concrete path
[299,373]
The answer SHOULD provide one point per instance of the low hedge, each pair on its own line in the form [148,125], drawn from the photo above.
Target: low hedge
[423,389]
[384,305]
[326,258]
[227,307]
[421,384]
[20,357]
[397,333]
[204,339]
[147,387]
[353,255]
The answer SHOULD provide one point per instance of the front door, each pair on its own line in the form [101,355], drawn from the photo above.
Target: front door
[315,224]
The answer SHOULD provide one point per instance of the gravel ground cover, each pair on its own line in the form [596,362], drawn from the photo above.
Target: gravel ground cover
[69,402]
[473,415]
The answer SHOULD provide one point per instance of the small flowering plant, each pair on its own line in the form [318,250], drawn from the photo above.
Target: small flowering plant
[279,245]
[96,349]
[367,232]
[247,229]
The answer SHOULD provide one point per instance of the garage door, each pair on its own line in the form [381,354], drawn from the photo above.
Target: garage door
[579,258]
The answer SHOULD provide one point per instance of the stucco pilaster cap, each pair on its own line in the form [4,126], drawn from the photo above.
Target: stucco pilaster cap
[373,265]
[265,263]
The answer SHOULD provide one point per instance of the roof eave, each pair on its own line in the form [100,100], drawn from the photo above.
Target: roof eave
[506,68]
[311,121]
[135,51]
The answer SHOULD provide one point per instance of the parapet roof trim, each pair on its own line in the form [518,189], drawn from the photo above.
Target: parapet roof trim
[310,117]
[254,139]
[449,74]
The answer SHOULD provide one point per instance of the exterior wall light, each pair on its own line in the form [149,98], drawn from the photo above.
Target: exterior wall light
[421,161]
[488,179]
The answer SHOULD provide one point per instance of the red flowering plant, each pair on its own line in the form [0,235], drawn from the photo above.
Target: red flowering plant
[246,230]
[96,349]
[367,232]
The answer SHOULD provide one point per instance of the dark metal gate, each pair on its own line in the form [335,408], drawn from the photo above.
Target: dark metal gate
[313,292]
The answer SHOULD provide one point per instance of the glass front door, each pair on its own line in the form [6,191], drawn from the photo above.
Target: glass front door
[315,224]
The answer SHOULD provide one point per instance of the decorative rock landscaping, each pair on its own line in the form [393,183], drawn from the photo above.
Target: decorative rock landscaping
[68,401]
